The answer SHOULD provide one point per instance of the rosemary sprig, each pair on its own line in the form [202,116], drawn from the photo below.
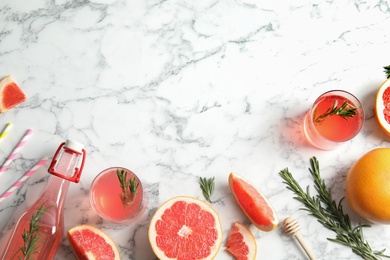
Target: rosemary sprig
[32,236]
[129,187]
[387,71]
[346,110]
[330,214]
[207,186]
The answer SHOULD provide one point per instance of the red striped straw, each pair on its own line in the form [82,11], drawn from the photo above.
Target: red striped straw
[23,179]
[15,151]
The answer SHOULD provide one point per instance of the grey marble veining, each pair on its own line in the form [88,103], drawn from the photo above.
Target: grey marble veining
[177,90]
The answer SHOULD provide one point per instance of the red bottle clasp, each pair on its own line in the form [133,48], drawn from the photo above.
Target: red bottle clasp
[68,161]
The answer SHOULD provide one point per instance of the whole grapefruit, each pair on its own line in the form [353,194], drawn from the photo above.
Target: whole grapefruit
[368,186]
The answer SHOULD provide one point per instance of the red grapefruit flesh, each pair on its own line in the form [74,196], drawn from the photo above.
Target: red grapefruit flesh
[241,243]
[185,228]
[89,242]
[10,94]
[253,203]
[382,106]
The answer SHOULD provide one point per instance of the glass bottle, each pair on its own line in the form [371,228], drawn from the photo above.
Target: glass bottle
[47,213]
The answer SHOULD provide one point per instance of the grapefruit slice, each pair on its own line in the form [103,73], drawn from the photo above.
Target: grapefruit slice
[185,228]
[89,242]
[382,106]
[255,206]
[241,243]
[10,94]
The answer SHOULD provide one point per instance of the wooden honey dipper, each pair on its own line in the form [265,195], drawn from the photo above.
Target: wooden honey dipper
[291,227]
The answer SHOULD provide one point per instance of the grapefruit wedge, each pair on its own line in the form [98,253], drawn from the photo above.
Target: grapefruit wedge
[253,203]
[89,242]
[185,228]
[382,106]
[10,94]
[241,243]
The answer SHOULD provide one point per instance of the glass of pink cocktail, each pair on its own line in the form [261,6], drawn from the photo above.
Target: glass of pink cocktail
[335,117]
[116,194]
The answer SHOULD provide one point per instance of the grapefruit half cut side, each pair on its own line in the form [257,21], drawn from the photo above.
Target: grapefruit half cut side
[253,203]
[241,243]
[89,242]
[10,94]
[382,106]
[185,228]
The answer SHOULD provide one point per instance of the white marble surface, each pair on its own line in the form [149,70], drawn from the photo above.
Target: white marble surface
[175,90]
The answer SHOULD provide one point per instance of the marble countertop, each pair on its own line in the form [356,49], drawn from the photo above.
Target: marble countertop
[177,90]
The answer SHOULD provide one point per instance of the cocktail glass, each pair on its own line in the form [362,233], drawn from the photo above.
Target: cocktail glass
[335,117]
[112,202]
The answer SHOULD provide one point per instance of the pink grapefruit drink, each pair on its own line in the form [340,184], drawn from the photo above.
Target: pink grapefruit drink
[335,117]
[106,197]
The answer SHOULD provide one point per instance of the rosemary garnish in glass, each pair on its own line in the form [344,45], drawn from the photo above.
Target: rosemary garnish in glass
[387,71]
[129,187]
[330,214]
[31,237]
[346,110]
[207,186]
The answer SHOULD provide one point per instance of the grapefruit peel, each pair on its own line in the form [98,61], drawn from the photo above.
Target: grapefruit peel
[171,239]
[253,203]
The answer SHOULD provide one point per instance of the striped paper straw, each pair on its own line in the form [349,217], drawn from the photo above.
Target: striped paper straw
[15,151]
[23,179]
[5,131]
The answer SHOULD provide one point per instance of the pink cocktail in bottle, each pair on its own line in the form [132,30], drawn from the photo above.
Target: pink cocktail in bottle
[39,231]
[335,117]
[114,199]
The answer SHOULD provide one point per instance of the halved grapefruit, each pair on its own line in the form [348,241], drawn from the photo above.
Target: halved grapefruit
[253,203]
[89,242]
[382,106]
[10,94]
[241,243]
[185,228]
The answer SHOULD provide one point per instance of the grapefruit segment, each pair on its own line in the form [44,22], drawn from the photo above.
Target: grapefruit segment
[10,94]
[89,242]
[241,243]
[185,228]
[253,203]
